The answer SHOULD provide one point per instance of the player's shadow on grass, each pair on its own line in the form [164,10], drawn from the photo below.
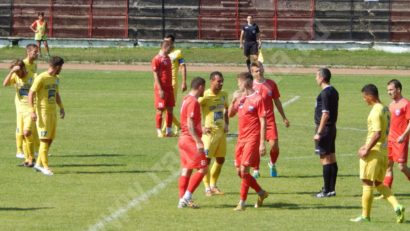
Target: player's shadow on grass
[395,194]
[314,176]
[113,172]
[87,165]
[292,206]
[23,209]
[92,155]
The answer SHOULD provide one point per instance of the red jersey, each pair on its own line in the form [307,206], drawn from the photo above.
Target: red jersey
[190,109]
[400,115]
[250,109]
[161,64]
[269,92]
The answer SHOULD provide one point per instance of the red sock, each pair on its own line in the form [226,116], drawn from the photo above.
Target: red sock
[158,119]
[388,181]
[168,119]
[244,190]
[183,184]
[274,154]
[195,181]
[258,161]
[249,180]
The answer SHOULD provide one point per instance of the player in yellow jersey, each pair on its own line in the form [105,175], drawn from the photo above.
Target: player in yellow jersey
[178,64]
[31,67]
[373,156]
[39,27]
[214,108]
[19,77]
[45,90]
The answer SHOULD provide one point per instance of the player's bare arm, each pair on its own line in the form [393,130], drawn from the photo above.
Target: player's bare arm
[158,83]
[241,40]
[365,149]
[31,96]
[279,106]
[258,38]
[32,28]
[262,148]
[323,121]
[198,141]
[182,68]
[6,80]
[232,110]
[60,104]
[403,136]
[226,117]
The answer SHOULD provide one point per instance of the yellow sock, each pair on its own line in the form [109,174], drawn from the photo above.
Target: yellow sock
[29,148]
[176,122]
[25,151]
[19,143]
[367,200]
[43,153]
[36,141]
[215,172]
[386,192]
[206,179]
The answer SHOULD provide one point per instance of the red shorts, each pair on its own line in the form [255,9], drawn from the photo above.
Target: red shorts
[398,152]
[271,129]
[247,153]
[190,157]
[167,101]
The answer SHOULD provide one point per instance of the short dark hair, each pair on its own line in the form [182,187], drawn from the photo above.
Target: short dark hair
[40,13]
[17,62]
[31,46]
[370,89]
[396,83]
[325,74]
[171,37]
[214,74]
[197,82]
[56,61]
[256,64]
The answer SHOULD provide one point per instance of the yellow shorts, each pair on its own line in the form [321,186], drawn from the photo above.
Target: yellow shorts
[215,143]
[374,166]
[24,123]
[46,125]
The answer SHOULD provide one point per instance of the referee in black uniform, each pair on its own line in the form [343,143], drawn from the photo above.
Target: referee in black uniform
[325,119]
[251,34]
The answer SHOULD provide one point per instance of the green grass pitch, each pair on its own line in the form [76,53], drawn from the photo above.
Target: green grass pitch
[112,173]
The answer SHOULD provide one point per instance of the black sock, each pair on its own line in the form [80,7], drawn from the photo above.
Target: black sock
[333,176]
[327,173]
[248,64]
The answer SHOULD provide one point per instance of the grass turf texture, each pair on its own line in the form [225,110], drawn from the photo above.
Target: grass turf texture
[106,154]
[365,58]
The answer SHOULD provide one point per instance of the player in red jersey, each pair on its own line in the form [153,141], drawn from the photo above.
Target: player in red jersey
[269,91]
[250,108]
[398,139]
[190,144]
[163,91]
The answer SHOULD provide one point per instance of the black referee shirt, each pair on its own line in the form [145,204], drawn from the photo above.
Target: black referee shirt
[327,101]
[250,32]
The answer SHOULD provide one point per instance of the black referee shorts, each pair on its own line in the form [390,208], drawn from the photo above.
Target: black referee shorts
[250,48]
[327,143]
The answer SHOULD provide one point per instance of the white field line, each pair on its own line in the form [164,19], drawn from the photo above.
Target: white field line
[133,203]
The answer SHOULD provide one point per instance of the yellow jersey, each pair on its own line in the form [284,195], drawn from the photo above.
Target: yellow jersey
[22,86]
[46,87]
[30,67]
[378,121]
[177,59]
[212,108]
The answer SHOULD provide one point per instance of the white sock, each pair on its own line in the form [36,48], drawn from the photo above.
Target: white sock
[169,130]
[242,203]
[207,189]
[187,195]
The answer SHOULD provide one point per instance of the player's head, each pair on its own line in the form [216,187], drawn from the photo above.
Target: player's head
[198,86]
[249,19]
[245,81]
[394,89]
[257,69]
[40,15]
[20,68]
[166,46]
[323,75]
[56,64]
[217,81]
[170,38]
[32,51]
[370,94]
